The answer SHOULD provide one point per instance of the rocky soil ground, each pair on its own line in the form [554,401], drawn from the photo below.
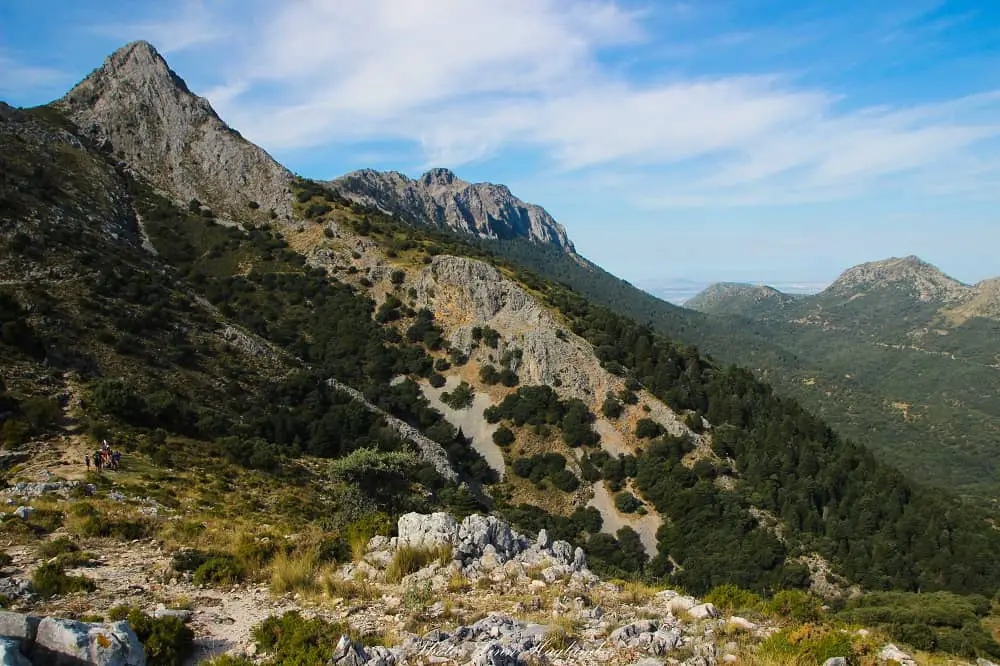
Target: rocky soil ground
[487,595]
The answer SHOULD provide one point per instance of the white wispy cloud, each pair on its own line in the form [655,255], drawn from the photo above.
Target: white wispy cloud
[173,27]
[18,77]
[466,81]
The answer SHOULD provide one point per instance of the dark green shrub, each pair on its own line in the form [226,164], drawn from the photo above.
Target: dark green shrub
[44,521]
[626,502]
[56,547]
[292,640]
[935,621]
[50,580]
[436,380]
[460,398]
[796,605]
[648,429]
[611,408]
[168,641]
[503,436]
[218,570]
[488,374]
[40,412]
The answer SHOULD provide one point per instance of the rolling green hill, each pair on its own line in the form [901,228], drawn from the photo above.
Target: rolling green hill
[895,354]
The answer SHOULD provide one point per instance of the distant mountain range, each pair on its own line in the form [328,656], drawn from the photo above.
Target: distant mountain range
[894,352]
[681,290]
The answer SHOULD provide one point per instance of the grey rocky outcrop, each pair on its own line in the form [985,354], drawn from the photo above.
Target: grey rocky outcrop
[473,293]
[40,488]
[650,636]
[440,199]
[482,543]
[138,108]
[891,653]
[27,640]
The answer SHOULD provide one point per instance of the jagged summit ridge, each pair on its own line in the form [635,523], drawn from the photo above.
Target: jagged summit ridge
[138,108]
[440,198]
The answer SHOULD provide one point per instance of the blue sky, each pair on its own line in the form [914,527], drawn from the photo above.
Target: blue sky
[760,140]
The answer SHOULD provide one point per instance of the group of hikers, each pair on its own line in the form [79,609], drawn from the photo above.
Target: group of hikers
[104,458]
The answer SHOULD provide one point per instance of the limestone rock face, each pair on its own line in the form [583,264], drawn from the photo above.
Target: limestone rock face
[486,542]
[61,641]
[427,531]
[469,293]
[440,199]
[140,110]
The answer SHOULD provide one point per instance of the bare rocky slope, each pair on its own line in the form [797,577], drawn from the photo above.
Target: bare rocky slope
[439,198]
[926,281]
[135,107]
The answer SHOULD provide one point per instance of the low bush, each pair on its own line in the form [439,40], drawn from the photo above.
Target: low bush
[45,521]
[219,570]
[814,644]
[503,436]
[935,621]
[648,429]
[795,604]
[55,547]
[551,466]
[460,398]
[626,502]
[51,580]
[168,640]
[611,408]
[96,524]
[734,600]
[293,640]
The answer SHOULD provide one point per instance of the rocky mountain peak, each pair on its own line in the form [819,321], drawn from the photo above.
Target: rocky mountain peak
[911,273]
[136,107]
[441,199]
[441,177]
[141,59]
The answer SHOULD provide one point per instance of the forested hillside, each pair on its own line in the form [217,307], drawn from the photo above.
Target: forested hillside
[897,355]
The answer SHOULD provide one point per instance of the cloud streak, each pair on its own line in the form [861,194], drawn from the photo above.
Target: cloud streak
[468,81]
[17,77]
[189,24]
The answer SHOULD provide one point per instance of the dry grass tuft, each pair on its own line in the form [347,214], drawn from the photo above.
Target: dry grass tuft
[409,559]
[295,572]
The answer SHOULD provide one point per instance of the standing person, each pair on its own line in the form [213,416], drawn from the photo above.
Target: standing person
[98,459]
[86,459]
[116,458]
